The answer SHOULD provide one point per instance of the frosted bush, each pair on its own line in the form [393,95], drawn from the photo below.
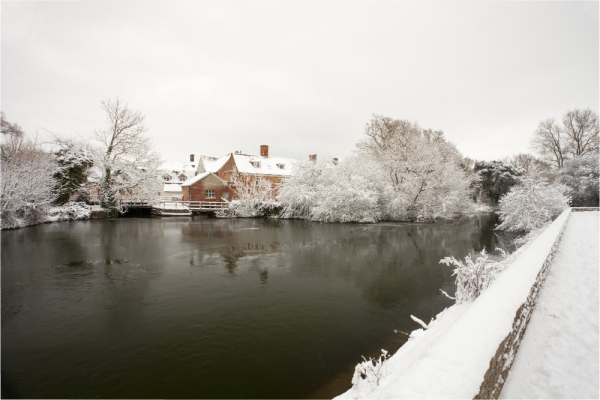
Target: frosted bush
[69,211]
[254,198]
[472,277]
[251,209]
[531,205]
[368,373]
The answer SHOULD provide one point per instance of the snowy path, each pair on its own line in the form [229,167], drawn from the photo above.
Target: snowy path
[558,357]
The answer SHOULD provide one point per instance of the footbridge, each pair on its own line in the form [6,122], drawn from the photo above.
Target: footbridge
[170,205]
[188,207]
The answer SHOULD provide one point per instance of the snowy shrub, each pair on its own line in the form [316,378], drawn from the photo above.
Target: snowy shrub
[472,277]
[251,209]
[531,205]
[254,198]
[368,373]
[69,211]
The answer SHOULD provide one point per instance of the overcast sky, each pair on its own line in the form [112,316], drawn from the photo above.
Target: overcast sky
[302,77]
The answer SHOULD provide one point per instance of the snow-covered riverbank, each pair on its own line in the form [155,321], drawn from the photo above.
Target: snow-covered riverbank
[454,357]
[68,212]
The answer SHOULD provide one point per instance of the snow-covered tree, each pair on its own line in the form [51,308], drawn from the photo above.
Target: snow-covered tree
[496,178]
[346,194]
[400,172]
[27,183]
[420,172]
[530,165]
[581,127]
[322,191]
[125,164]
[299,193]
[73,162]
[549,142]
[581,176]
[576,136]
[531,205]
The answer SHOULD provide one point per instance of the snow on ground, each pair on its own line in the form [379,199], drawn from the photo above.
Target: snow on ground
[558,357]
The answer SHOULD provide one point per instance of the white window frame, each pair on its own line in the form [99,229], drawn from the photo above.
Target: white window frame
[210,194]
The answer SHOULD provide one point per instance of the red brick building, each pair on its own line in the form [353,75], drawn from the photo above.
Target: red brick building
[206,187]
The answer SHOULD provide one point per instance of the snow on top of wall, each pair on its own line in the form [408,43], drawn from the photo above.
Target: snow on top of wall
[172,187]
[280,166]
[449,359]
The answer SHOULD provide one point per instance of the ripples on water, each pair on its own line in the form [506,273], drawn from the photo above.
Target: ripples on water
[203,307]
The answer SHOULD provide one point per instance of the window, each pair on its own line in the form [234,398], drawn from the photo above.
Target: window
[255,164]
[166,178]
[210,194]
[182,178]
[225,196]
[281,166]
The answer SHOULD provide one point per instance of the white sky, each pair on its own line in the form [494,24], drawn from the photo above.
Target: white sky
[303,77]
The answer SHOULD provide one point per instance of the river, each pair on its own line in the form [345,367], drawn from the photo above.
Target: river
[216,308]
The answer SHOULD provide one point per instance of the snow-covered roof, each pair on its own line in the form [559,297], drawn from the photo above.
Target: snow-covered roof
[213,164]
[172,187]
[248,164]
[199,177]
[195,179]
[188,168]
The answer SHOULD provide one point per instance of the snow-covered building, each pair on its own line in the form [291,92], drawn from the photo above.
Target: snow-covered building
[239,167]
[174,174]
[249,166]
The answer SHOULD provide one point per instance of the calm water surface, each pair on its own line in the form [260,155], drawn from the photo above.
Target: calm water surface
[197,308]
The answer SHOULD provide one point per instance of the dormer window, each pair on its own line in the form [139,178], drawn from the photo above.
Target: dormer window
[255,164]
[281,166]
[182,178]
[166,178]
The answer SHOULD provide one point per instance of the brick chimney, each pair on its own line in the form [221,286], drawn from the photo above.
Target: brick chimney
[335,161]
[312,157]
[191,158]
[264,150]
